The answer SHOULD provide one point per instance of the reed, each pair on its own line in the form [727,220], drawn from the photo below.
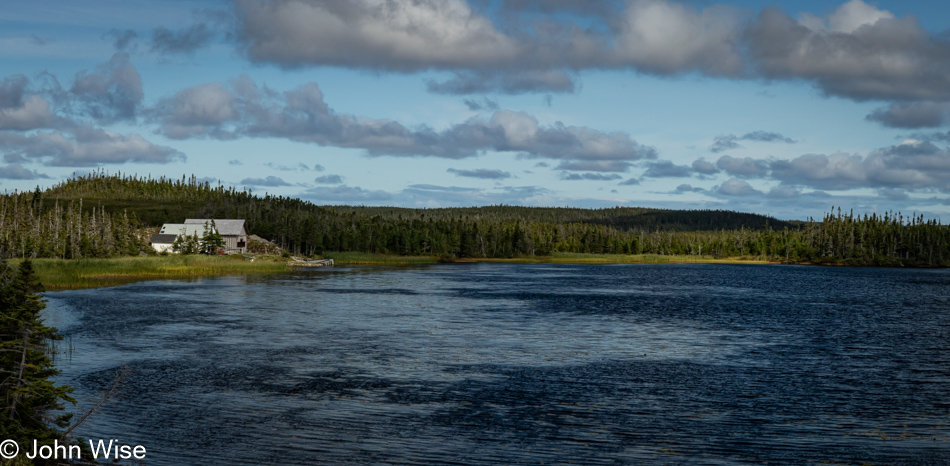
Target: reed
[593,259]
[576,258]
[366,258]
[68,274]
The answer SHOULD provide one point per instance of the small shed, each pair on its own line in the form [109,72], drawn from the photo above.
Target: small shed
[233,231]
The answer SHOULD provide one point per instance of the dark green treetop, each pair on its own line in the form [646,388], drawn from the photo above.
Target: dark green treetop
[31,399]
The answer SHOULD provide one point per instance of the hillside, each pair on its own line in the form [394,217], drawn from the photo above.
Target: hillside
[100,215]
[622,218]
[157,201]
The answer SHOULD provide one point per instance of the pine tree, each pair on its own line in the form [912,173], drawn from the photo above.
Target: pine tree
[179,244]
[31,399]
[211,241]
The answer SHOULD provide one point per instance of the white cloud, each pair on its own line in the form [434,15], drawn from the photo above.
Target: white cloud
[847,18]
[911,165]
[863,54]
[242,109]
[86,146]
[390,34]
[858,51]
[17,172]
[667,37]
[736,187]
[33,114]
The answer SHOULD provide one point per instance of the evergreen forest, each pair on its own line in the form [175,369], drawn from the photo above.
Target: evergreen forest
[108,215]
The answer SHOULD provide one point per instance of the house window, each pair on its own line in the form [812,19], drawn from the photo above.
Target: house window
[240,243]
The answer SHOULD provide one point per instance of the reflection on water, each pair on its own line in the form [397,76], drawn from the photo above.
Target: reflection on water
[489,363]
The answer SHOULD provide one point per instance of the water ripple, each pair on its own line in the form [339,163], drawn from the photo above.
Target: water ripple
[490,363]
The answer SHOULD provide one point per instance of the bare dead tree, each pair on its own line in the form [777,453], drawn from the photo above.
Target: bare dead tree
[119,378]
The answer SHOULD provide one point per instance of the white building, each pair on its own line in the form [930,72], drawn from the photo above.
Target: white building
[165,238]
[233,231]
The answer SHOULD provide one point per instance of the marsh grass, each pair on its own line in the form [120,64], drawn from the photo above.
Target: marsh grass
[367,258]
[580,258]
[364,258]
[575,258]
[69,274]
[59,274]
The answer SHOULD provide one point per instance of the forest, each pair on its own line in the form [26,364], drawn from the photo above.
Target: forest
[109,215]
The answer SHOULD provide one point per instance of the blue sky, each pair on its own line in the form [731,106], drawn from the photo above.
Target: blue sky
[781,108]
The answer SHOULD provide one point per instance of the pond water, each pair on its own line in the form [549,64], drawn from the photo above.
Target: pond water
[503,363]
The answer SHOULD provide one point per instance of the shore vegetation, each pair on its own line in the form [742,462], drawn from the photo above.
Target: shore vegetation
[59,274]
[98,215]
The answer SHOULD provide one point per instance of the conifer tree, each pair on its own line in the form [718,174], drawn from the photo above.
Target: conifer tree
[211,241]
[31,400]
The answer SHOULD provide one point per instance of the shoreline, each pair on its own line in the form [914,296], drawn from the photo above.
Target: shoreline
[347,258]
[74,274]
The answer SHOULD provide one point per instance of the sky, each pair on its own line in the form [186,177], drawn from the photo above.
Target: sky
[784,108]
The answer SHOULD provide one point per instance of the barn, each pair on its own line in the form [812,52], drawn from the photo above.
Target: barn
[233,231]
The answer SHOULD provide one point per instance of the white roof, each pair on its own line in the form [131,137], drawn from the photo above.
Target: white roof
[225,226]
[183,229]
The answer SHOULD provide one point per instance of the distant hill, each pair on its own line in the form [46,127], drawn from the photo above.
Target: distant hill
[622,218]
[158,201]
[101,215]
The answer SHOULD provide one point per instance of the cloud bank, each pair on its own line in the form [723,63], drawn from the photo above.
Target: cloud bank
[450,35]
[40,121]
[858,51]
[243,109]
[731,141]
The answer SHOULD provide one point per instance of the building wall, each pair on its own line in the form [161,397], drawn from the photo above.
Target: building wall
[162,247]
[231,244]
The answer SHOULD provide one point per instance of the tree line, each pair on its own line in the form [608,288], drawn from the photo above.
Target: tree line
[101,215]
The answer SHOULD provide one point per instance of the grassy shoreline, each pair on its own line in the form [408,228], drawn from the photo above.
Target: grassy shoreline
[595,259]
[362,258]
[72,274]
[367,258]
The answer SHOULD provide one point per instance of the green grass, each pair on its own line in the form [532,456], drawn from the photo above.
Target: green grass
[60,274]
[575,258]
[582,258]
[366,258]
[67,274]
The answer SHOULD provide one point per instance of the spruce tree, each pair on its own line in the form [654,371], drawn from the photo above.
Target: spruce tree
[31,400]
[211,241]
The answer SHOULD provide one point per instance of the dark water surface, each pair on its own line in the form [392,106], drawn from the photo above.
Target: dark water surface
[494,363]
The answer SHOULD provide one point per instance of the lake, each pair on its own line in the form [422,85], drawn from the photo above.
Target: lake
[507,363]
